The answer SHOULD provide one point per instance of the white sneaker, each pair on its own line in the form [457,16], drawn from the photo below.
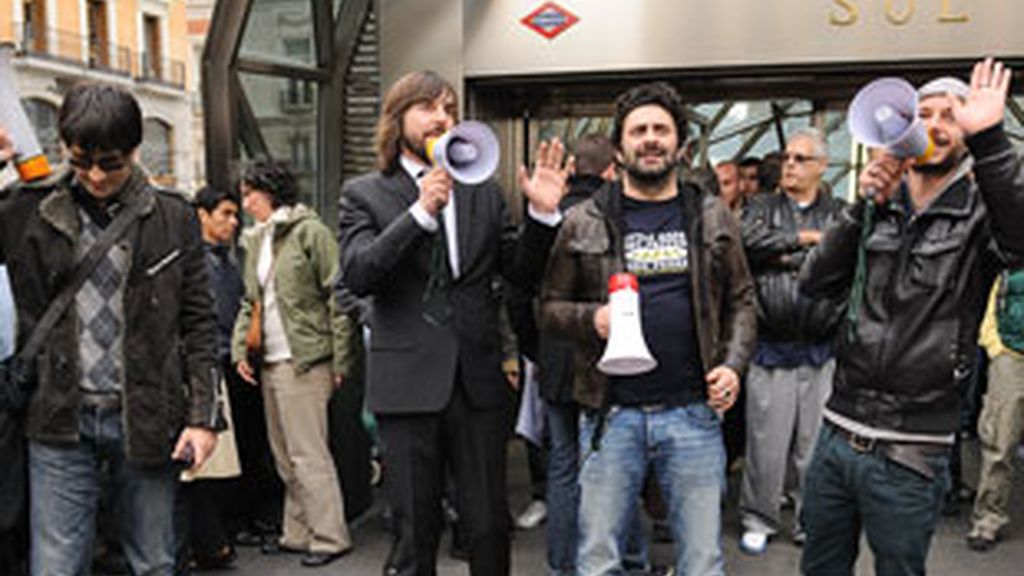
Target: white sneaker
[533,516]
[754,543]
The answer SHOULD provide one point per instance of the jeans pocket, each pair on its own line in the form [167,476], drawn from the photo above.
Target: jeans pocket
[701,415]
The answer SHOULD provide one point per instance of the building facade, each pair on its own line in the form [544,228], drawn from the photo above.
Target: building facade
[140,45]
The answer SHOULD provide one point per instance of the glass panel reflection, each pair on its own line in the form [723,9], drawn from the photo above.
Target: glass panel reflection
[285,109]
[280,31]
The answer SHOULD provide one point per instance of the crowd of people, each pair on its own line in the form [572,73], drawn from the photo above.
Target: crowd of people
[191,387]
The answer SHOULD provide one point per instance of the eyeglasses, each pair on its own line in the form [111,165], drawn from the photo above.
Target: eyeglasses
[104,163]
[799,158]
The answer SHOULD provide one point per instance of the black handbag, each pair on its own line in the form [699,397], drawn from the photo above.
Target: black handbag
[18,373]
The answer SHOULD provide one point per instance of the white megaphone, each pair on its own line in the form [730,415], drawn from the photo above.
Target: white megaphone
[28,154]
[884,114]
[626,353]
[469,152]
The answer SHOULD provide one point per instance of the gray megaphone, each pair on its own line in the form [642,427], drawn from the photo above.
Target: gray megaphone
[626,353]
[28,154]
[884,114]
[469,152]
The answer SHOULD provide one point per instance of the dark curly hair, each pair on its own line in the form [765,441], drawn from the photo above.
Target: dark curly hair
[273,177]
[656,93]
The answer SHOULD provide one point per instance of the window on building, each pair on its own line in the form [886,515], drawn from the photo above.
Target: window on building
[33,32]
[99,43]
[157,152]
[43,117]
[302,152]
[152,57]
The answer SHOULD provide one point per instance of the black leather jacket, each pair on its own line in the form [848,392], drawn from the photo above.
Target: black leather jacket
[928,278]
[770,226]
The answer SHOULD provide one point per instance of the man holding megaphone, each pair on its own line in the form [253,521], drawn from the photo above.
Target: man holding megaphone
[426,237]
[683,249]
[918,273]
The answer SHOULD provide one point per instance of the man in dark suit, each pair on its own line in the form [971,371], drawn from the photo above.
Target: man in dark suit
[427,250]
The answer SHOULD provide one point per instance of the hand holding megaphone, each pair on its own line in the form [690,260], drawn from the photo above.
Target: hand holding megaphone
[434,190]
[6,146]
[880,179]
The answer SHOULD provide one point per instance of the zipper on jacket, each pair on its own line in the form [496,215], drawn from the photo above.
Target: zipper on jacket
[908,231]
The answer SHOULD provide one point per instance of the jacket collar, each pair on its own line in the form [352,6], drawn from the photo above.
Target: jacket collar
[955,200]
[60,210]
[608,199]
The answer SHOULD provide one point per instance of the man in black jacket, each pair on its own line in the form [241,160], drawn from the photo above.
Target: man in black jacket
[791,374]
[918,282]
[428,249]
[126,377]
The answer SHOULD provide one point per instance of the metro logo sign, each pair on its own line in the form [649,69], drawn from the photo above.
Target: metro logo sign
[549,20]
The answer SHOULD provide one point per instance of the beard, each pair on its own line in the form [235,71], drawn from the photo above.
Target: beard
[942,168]
[653,177]
[418,149]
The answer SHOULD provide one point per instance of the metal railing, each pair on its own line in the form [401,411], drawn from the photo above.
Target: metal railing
[94,52]
[161,70]
[62,46]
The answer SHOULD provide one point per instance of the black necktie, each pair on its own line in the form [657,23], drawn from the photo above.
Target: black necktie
[437,306]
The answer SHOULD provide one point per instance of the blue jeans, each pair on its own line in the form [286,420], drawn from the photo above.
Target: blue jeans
[562,491]
[65,482]
[847,490]
[683,448]
[563,496]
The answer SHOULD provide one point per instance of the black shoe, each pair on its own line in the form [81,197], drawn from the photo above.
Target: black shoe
[980,543]
[318,559]
[223,558]
[249,538]
[274,547]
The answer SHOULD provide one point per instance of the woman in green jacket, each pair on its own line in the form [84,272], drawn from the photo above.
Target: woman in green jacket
[290,325]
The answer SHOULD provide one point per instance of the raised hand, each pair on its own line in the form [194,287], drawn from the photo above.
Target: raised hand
[986,104]
[6,146]
[548,183]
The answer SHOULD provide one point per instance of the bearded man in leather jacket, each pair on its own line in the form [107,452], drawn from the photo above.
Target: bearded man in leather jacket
[918,280]
[791,375]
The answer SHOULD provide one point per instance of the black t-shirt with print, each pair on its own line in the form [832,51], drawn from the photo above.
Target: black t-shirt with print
[656,250]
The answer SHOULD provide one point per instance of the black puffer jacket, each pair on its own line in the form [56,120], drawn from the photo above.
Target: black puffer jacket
[928,279]
[170,339]
[771,223]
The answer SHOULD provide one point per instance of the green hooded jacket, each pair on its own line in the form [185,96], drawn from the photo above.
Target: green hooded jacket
[305,270]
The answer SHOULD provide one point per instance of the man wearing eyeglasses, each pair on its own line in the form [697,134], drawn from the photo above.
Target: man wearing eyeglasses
[125,379]
[791,374]
[918,267]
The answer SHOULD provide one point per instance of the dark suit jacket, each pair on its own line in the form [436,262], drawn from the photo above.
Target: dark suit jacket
[386,255]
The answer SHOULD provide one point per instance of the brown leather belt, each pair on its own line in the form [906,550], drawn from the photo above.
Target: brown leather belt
[919,457]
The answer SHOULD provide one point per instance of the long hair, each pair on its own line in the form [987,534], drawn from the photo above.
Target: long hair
[413,88]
